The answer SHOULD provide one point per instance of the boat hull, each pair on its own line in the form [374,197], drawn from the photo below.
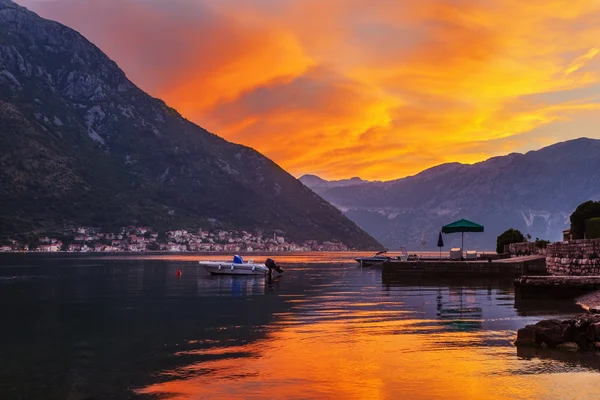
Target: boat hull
[228,268]
[371,261]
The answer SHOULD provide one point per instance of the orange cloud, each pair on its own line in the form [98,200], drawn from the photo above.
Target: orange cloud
[582,60]
[355,87]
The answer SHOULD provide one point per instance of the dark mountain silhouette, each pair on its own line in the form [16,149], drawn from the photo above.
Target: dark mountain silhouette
[81,144]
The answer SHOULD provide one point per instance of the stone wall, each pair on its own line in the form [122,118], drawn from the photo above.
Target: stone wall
[506,267]
[525,249]
[577,257]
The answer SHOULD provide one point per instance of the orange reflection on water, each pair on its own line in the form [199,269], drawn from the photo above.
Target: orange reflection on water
[318,257]
[357,356]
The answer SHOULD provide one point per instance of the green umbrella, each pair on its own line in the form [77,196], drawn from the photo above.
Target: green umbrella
[462,226]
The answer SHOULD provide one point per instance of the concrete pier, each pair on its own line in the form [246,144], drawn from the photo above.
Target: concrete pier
[564,287]
[510,266]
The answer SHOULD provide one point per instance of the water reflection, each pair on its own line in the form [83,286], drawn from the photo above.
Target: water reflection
[115,328]
[459,310]
[577,361]
[548,307]
[236,286]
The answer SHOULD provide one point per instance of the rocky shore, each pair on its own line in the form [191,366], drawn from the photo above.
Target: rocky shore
[580,333]
[590,301]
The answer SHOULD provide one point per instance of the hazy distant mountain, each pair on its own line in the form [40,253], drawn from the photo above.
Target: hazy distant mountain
[534,192]
[81,144]
[317,184]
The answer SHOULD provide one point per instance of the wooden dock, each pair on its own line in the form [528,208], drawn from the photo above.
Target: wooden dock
[516,266]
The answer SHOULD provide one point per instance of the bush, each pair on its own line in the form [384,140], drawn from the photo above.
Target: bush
[585,211]
[508,237]
[541,244]
[153,246]
[592,228]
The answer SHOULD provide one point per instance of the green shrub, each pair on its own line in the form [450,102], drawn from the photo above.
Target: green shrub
[541,244]
[585,211]
[592,228]
[153,246]
[509,236]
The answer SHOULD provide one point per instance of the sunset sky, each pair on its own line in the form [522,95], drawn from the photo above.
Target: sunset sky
[374,88]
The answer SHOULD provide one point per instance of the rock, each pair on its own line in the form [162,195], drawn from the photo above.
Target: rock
[581,331]
[593,332]
[571,346]
[552,332]
[526,337]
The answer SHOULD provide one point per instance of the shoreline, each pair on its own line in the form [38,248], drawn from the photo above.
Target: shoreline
[590,301]
[216,253]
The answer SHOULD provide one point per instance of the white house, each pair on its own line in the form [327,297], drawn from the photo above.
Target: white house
[54,247]
[173,247]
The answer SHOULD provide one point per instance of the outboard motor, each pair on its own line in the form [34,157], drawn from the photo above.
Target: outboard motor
[272,265]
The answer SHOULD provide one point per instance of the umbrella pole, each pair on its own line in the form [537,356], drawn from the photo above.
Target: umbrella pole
[462,244]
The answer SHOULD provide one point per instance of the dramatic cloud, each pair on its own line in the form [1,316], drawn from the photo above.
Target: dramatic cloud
[378,89]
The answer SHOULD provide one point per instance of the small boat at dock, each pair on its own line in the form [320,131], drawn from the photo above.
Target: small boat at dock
[376,259]
[240,267]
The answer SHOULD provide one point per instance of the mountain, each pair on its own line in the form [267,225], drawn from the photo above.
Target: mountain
[317,183]
[534,192]
[81,144]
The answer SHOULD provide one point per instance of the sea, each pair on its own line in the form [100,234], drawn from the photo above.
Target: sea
[85,326]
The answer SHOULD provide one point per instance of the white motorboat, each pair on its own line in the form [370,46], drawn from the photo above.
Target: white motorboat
[376,259]
[239,267]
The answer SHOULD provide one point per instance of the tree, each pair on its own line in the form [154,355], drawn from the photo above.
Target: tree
[592,228]
[33,243]
[162,237]
[541,243]
[153,246]
[589,209]
[66,241]
[509,236]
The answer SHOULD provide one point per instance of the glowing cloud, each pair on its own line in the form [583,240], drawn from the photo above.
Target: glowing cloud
[581,61]
[355,87]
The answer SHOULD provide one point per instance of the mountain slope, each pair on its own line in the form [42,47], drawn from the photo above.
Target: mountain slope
[80,144]
[317,183]
[534,192]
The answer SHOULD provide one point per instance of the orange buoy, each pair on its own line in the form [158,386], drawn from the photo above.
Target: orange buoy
[178,272]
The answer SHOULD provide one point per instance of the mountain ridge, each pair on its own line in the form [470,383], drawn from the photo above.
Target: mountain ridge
[316,181]
[81,144]
[534,192]
[582,140]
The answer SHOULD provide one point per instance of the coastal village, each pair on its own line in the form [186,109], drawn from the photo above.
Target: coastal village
[144,239]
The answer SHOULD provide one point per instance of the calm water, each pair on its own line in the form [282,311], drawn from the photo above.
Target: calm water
[123,327]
